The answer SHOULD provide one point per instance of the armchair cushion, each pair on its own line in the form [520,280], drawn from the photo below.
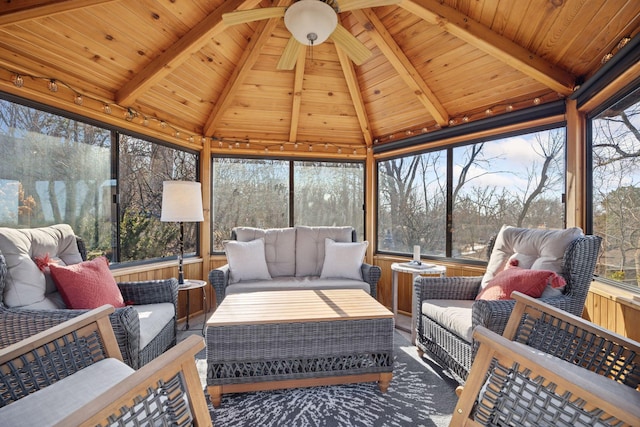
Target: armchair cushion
[343,260]
[247,260]
[453,314]
[153,318]
[535,249]
[88,284]
[25,283]
[87,383]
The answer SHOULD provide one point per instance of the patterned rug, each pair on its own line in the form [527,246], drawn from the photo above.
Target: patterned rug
[419,396]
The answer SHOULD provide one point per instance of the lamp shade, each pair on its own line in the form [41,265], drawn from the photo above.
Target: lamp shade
[310,22]
[181,202]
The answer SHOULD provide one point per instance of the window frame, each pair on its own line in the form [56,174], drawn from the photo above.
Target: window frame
[291,164]
[448,149]
[589,175]
[115,132]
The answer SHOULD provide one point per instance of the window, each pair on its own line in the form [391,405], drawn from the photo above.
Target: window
[248,192]
[143,166]
[269,193]
[54,169]
[516,180]
[412,202]
[328,193]
[615,213]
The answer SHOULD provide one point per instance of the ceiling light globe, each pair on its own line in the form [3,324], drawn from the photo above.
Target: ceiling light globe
[311,22]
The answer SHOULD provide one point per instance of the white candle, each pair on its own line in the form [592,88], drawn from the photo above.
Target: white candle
[416,253]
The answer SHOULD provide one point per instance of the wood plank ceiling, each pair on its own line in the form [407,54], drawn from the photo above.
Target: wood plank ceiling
[174,64]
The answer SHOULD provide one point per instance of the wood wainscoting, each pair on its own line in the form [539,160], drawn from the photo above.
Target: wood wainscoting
[614,309]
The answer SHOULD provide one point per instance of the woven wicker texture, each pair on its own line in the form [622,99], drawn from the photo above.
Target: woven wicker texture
[278,351]
[580,347]
[515,397]
[454,352]
[164,405]
[41,367]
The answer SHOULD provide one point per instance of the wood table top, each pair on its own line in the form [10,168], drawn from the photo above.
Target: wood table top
[297,306]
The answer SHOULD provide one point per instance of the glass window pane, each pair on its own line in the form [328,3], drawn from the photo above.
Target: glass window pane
[616,190]
[516,181]
[412,203]
[249,193]
[55,170]
[143,166]
[329,193]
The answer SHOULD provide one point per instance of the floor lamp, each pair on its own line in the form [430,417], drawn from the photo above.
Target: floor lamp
[181,202]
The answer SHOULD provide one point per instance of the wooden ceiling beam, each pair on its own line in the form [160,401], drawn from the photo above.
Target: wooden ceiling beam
[249,57]
[390,49]
[483,38]
[25,10]
[297,93]
[164,64]
[356,95]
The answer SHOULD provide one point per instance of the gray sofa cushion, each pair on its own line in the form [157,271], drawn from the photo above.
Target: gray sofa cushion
[294,283]
[310,243]
[279,247]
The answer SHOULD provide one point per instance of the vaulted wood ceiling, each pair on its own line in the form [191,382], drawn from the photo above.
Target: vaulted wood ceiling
[174,64]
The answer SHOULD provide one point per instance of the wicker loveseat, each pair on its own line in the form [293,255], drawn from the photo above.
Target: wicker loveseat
[295,258]
[447,310]
[30,303]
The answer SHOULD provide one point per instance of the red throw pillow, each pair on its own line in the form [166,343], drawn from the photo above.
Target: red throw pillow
[88,284]
[529,282]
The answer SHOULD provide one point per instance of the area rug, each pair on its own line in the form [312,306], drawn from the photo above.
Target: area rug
[419,395]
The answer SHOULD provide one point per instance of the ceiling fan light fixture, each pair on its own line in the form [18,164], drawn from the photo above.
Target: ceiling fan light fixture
[311,22]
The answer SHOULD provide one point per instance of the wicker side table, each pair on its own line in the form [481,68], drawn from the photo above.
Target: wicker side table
[287,339]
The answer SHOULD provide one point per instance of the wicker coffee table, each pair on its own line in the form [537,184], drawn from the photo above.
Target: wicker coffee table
[286,339]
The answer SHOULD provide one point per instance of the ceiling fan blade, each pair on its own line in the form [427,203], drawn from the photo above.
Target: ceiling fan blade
[244,16]
[357,51]
[346,5]
[289,57]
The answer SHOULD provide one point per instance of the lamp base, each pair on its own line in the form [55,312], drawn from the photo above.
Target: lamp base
[181,255]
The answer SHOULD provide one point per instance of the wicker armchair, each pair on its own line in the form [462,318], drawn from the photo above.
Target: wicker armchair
[511,384]
[73,374]
[455,352]
[571,338]
[17,323]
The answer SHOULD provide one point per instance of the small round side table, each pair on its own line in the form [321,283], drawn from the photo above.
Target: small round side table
[405,267]
[190,284]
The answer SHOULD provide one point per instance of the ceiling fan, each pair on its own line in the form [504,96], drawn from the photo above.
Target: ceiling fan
[310,23]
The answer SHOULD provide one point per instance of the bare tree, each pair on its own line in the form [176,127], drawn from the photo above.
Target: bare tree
[616,157]
[548,176]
